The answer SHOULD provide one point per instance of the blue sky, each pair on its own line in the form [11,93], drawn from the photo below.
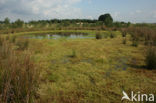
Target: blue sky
[121,10]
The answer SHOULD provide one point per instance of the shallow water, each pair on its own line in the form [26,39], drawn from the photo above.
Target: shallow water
[60,36]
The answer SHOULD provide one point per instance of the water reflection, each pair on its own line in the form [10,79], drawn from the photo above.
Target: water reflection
[60,35]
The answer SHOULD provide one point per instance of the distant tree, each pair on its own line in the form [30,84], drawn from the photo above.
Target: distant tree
[18,23]
[6,21]
[117,24]
[128,24]
[1,22]
[107,19]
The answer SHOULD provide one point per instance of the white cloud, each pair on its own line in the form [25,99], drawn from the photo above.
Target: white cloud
[138,11]
[154,14]
[116,14]
[41,9]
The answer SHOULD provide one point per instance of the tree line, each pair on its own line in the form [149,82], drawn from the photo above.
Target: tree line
[104,20]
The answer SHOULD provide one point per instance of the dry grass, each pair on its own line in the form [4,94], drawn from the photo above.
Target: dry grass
[18,75]
[151,57]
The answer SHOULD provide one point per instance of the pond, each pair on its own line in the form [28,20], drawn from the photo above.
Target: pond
[60,35]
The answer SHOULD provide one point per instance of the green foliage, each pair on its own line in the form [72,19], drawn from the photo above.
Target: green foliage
[7,21]
[107,19]
[151,58]
[128,24]
[18,23]
[121,24]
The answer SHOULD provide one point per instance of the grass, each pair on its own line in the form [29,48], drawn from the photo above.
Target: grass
[99,73]
[151,58]
[90,70]
[18,75]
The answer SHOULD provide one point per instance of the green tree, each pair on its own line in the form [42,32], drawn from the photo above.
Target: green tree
[6,21]
[128,24]
[18,23]
[107,19]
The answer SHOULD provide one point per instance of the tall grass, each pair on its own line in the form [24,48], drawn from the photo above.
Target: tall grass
[18,75]
[145,34]
[12,39]
[22,44]
[124,33]
[1,41]
[151,58]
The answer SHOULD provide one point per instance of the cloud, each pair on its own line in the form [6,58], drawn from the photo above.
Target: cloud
[39,9]
[116,14]
[138,11]
[154,14]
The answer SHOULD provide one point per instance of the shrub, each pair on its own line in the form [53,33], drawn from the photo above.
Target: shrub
[18,76]
[112,35]
[151,58]
[124,33]
[124,40]
[98,36]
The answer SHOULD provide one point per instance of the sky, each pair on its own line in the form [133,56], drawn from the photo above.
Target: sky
[136,11]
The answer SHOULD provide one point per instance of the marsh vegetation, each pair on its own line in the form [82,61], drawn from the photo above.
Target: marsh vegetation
[75,61]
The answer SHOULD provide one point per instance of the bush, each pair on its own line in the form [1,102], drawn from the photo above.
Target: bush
[18,76]
[124,34]
[151,58]
[98,36]
[124,40]
[112,35]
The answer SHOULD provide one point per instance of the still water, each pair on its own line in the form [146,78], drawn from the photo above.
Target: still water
[61,35]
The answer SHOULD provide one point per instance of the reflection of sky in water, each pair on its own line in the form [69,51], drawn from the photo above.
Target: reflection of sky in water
[59,36]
